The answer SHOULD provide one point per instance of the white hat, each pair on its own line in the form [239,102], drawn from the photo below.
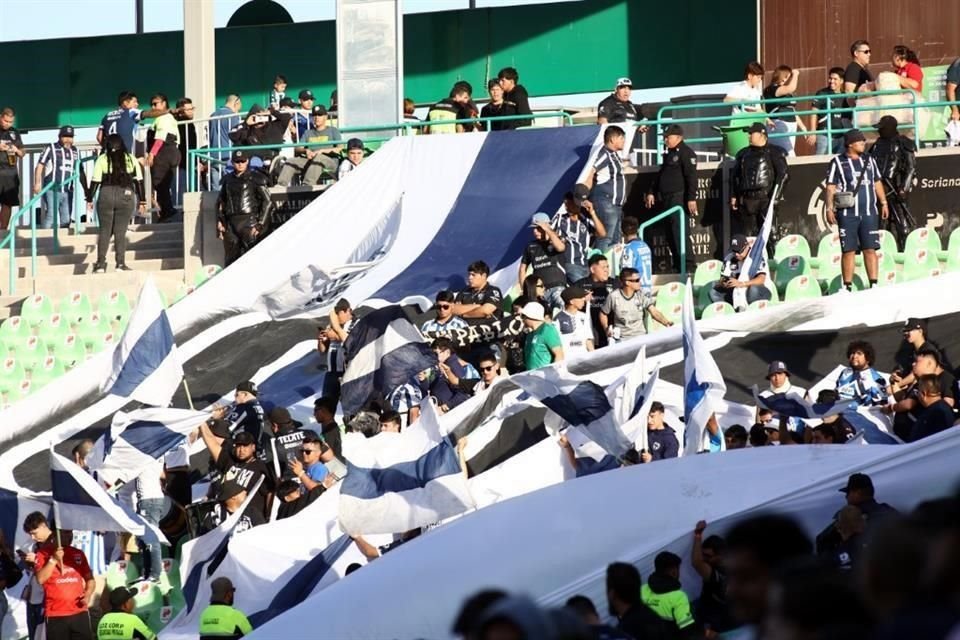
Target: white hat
[532,310]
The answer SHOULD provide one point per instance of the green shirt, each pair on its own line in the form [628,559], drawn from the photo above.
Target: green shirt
[166,125]
[537,347]
[118,625]
[671,606]
[102,167]
[219,621]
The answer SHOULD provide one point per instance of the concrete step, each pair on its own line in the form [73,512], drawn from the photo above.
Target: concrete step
[148,261]
[86,246]
[91,230]
[89,257]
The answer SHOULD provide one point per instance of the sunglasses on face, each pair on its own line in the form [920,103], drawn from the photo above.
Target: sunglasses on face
[633,280]
[306,451]
[866,51]
[490,368]
[443,306]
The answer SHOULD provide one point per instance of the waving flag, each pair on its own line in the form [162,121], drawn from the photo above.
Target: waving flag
[14,507]
[703,386]
[755,258]
[872,425]
[146,366]
[383,351]
[794,405]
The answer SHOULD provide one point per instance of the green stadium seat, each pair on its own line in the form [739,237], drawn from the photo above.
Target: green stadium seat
[183,290]
[760,305]
[69,350]
[802,287]
[886,260]
[120,574]
[858,282]
[921,262]
[114,305]
[952,257]
[36,309]
[829,269]
[76,307]
[31,352]
[20,389]
[670,293]
[92,328]
[922,238]
[509,297]
[718,309]
[106,340]
[47,370]
[54,327]
[672,310]
[11,373]
[703,298]
[888,244]
[829,245]
[789,268]
[206,272]
[707,273]
[953,246]
[887,277]
[14,328]
[791,245]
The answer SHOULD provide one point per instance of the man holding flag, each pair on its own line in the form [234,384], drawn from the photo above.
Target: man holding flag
[742,271]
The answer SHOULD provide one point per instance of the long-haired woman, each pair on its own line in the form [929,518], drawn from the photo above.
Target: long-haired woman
[119,179]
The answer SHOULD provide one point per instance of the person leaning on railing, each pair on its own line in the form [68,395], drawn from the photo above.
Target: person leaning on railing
[118,178]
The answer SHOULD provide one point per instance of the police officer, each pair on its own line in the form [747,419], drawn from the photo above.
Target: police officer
[243,208]
[896,157]
[121,623]
[758,169]
[676,184]
[220,621]
[246,414]
[285,443]
[617,107]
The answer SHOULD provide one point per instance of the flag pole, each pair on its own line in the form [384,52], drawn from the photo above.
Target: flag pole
[186,390]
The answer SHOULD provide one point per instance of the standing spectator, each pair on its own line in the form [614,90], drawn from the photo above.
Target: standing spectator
[235,458]
[665,596]
[330,341]
[661,437]
[123,121]
[860,493]
[636,254]
[184,113]
[543,345]
[516,93]
[608,185]
[676,184]
[122,188]
[244,207]
[856,178]
[722,290]
[599,284]
[860,381]
[279,91]
[285,444]
[353,159]
[783,115]
[584,608]
[577,230]
[498,108]
[623,314]
[163,156]
[245,414]
[617,107]
[302,117]
[57,164]
[445,321]
[857,77]
[706,557]
[10,574]
[222,122]
[896,157]
[544,256]
[850,527]
[759,170]
[573,323]
[953,81]
[11,149]
[153,506]
[906,65]
[262,127]
[839,119]
[454,107]
[636,619]
[65,576]
[221,619]
[325,412]
[936,415]
[750,91]
[121,623]
[778,377]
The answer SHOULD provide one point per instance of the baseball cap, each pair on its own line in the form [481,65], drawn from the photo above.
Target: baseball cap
[306,94]
[318,110]
[219,427]
[914,323]
[777,366]
[239,154]
[248,386]
[354,143]
[573,293]
[756,127]
[581,192]
[120,595]
[66,131]
[244,438]
[229,489]
[859,481]
[854,135]
[287,103]
[532,310]
[220,587]
[624,82]
[538,218]
[279,415]
[738,242]
[673,130]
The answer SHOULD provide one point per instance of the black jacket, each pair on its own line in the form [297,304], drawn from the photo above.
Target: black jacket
[270,133]
[758,169]
[246,194]
[677,173]
[896,157]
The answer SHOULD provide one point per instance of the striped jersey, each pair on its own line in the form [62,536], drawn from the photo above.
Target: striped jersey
[866,387]
[609,175]
[58,162]
[576,234]
[844,172]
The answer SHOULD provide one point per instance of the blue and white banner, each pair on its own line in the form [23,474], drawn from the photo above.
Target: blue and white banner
[139,438]
[703,387]
[637,396]
[383,351]
[795,405]
[872,425]
[14,507]
[146,367]
[400,481]
[751,265]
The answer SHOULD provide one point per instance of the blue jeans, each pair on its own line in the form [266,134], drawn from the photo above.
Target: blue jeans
[64,204]
[754,292]
[824,146]
[153,510]
[611,215]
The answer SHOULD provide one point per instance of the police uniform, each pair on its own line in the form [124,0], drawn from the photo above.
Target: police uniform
[223,622]
[676,184]
[756,172]
[896,157]
[244,205]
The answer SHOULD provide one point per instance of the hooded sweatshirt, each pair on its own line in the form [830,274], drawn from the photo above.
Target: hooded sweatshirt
[663,594]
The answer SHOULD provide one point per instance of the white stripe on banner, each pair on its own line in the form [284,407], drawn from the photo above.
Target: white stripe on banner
[703,385]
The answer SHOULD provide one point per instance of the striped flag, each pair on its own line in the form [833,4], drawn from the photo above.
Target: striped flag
[794,405]
[872,425]
[755,258]
[703,385]
[14,507]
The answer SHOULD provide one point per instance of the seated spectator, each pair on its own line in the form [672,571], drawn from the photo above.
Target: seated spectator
[312,164]
[599,284]
[573,322]
[353,159]
[498,108]
[262,127]
[310,468]
[906,65]
[860,493]
[587,466]
[229,501]
[454,107]
[390,422]
[749,91]
[445,321]
[662,438]
[577,231]
[636,254]
[444,346]
[544,255]
[778,377]
[625,311]
[860,381]
[908,405]
[409,107]
[936,415]
[666,598]
[516,93]
[584,608]
[542,345]
[713,611]
[434,381]
[617,107]
[735,437]
[722,290]
[759,436]
[915,340]
[479,299]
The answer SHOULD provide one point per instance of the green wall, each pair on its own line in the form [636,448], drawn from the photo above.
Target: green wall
[575,47]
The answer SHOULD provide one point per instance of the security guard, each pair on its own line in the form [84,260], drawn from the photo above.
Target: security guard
[121,623]
[244,207]
[896,157]
[220,621]
[676,184]
[758,169]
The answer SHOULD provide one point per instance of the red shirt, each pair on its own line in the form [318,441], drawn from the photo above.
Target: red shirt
[913,71]
[65,590]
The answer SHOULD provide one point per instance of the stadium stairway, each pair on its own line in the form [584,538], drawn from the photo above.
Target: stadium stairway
[151,248]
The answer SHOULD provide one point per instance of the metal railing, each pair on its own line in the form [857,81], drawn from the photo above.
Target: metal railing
[681,212]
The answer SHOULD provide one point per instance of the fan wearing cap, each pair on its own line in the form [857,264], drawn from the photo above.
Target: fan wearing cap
[353,159]
[854,188]
[617,107]
[57,164]
[543,344]
[312,164]
[230,499]
[896,157]
[778,377]
[498,107]
[756,287]
[573,323]
[221,621]
[285,443]
[544,255]
[244,207]
[860,493]
[245,414]
[577,225]
[915,341]
[235,459]
[676,185]
[121,623]
[760,168]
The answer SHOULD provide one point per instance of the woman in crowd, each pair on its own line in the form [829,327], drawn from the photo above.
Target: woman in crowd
[906,65]
[118,178]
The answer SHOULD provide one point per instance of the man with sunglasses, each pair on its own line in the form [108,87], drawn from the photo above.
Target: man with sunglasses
[244,207]
[446,321]
[857,76]
[309,467]
[624,312]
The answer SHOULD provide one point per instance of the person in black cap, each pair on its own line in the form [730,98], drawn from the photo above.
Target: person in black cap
[235,459]
[896,157]
[262,127]
[860,493]
[121,623]
[313,164]
[676,185]
[617,107]
[57,164]
[854,189]
[915,341]
[229,500]
[577,225]
[756,286]
[302,117]
[285,443]
[573,322]
[353,159]
[758,171]
[245,414]
[244,207]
